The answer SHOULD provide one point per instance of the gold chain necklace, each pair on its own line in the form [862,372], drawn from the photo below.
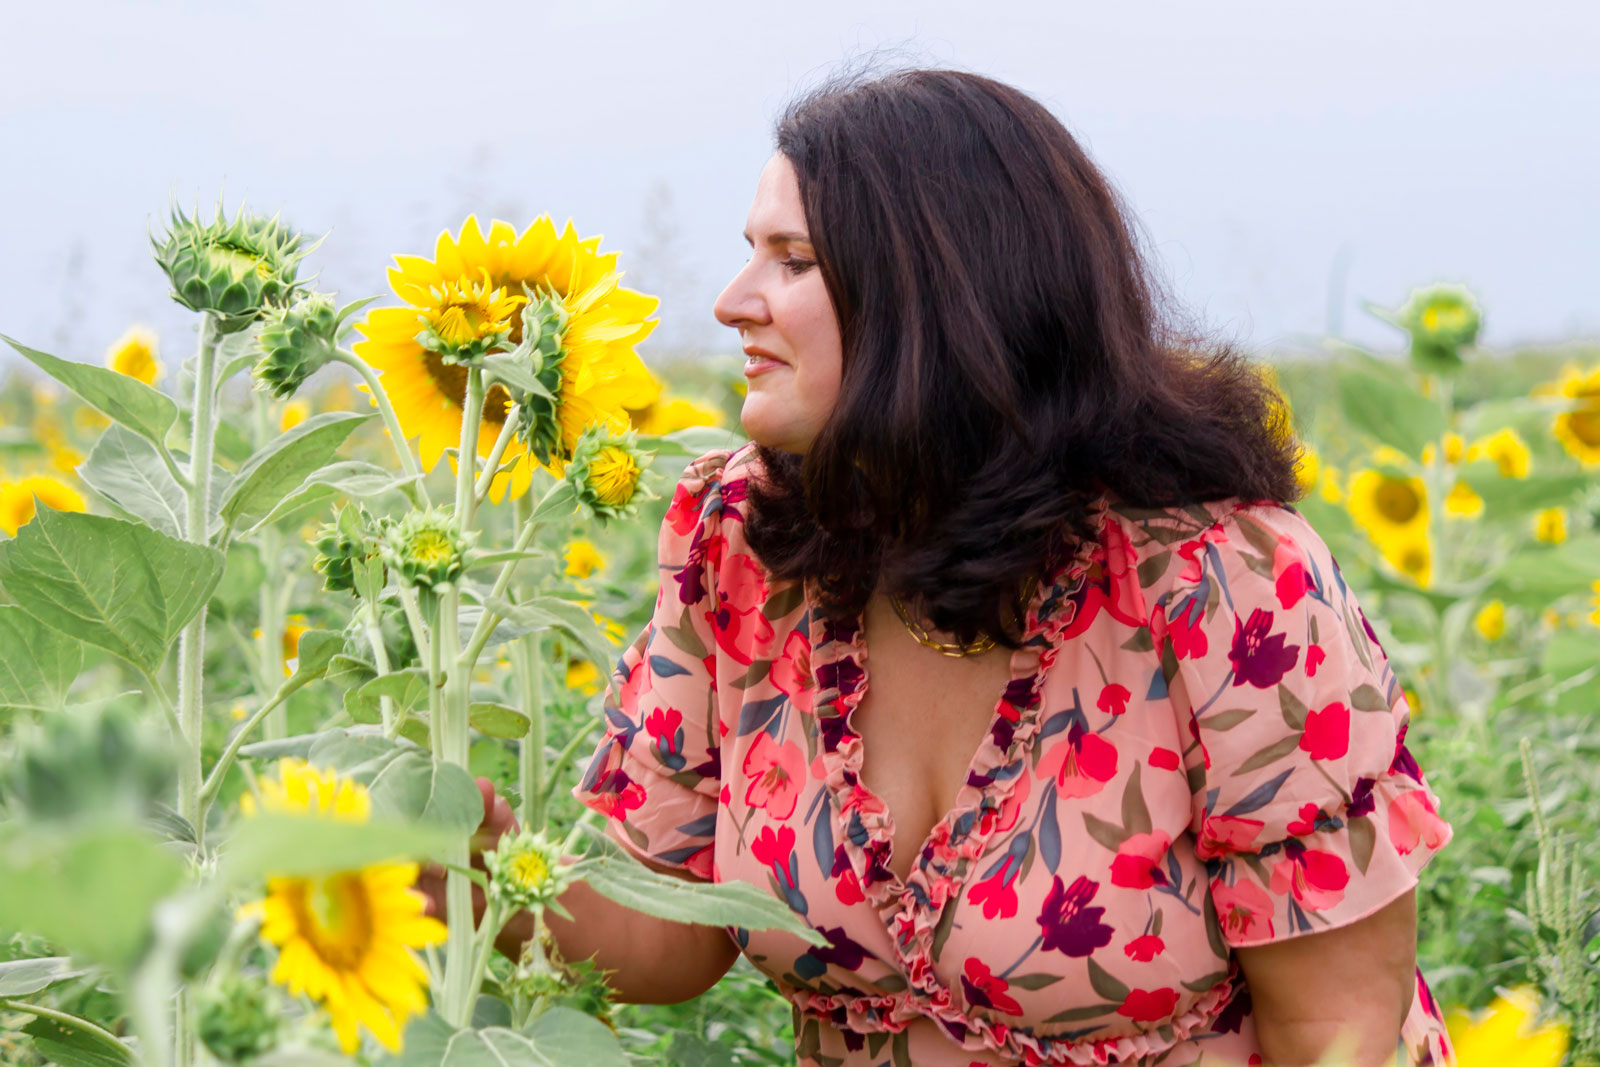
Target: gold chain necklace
[953,649]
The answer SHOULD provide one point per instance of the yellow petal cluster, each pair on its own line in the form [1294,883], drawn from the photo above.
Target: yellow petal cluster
[1578,429]
[582,558]
[345,940]
[1550,525]
[1393,510]
[1508,451]
[1490,621]
[601,374]
[134,354]
[17,500]
[1506,1037]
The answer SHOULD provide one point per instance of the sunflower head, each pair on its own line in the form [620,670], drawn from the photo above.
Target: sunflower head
[582,558]
[466,317]
[1441,319]
[1411,555]
[427,549]
[232,270]
[297,341]
[1508,1034]
[1384,501]
[20,499]
[1578,429]
[238,1018]
[301,789]
[605,472]
[1508,450]
[1550,525]
[134,354]
[1462,502]
[1490,621]
[526,871]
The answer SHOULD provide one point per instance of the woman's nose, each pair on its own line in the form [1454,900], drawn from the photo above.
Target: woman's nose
[740,302]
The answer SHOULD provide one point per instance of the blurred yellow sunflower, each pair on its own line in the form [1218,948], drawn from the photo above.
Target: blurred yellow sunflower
[582,558]
[17,500]
[1393,510]
[345,940]
[294,413]
[134,354]
[1490,621]
[1578,430]
[1462,502]
[583,676]
[1508,450]
[464,290]
[1505,1036]
[1550,525]
[675,413]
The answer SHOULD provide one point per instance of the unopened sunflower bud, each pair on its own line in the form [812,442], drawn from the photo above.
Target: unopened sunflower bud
[606,472]
[230,270]
[426,549]
[343,545]
[295,343]
[526,871]
[1442,319]
[466,319]
[540,352]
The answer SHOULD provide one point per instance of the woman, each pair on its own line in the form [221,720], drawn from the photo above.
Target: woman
[1125,779]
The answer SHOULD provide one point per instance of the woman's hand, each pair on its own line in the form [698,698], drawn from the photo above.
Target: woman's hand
[497,820]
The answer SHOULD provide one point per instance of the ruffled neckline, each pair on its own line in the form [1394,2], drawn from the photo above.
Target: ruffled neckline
[863,824]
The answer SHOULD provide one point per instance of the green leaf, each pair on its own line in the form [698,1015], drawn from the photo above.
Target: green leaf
[345,478]
[407,688]
[348,672]
[302,846]
[692,441]
[126,469]
[117,585]
[1565,568]
[279,468]
[148,412]
[1512,496]
[553,613]
[558,1038]
[569,1036]
[412,785]
[316,651]
[89,890]
[39,663]
[1389,411]
[69,1045]
[498,720]
[617,876]
[19,978]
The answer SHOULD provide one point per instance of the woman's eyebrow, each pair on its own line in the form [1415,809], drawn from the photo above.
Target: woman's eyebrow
[780,238]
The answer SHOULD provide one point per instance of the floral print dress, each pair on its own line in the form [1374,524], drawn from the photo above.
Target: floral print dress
[1201,748]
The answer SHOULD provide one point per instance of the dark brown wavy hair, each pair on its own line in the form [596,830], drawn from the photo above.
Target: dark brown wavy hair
[1007,359]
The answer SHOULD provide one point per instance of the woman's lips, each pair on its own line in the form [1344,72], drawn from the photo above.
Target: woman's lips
[757,365]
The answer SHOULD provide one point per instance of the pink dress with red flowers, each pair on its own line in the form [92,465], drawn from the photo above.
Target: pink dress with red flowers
[1201,748]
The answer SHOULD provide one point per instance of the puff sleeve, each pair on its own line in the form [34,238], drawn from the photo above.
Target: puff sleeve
[657,771]
[1307,807]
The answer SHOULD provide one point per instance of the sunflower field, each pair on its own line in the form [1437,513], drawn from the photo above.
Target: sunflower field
[269,606]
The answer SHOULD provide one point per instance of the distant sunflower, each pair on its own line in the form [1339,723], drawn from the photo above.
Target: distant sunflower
[461,295]
[345,939]
[1578,430]
[1393,510]
[134,354]
[17,500]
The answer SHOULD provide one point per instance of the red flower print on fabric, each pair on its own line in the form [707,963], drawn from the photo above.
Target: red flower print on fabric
[1314,658]
[1259,656]
[665,727]
[1327,732]
[986,990]
[1244,909]
[1163,759]
[776,773]
[791,671]
[1315,878]
[1081,765]
[1307,822]
[1149,1005]
[1113,699]
[1070,925]
[619,794]
[1290,580]
[1138,862]
[994,893]
[1144,948]
[1224,834]
[1413,821]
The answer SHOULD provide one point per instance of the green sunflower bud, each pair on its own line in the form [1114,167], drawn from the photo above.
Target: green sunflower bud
[526,871]
[342,546]
[426,549]
[231,270]
[1441,319]
[539,354]
[238,1018]
[606,472]
[297,341]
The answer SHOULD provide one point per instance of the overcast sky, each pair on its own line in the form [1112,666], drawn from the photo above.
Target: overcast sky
[1285,163]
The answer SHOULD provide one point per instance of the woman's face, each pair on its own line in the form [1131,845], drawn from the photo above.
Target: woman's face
[786,323]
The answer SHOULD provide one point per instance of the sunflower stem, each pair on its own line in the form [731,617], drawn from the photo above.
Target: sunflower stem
[485,942]
[380,659]
[269,636]
[100,1034]
[219,770]
[397,436]
[489,619]
[467,455]
[491,465]
[192,643]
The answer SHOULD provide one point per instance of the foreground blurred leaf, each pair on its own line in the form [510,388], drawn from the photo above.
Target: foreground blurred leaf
[559,1037]
[90,890]
[300,846]
[691,441]
[148,412]
[272,473]
[38,665]
[120,586]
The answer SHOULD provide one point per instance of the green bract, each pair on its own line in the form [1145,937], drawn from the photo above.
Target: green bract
[606,472]
[426,548]
[231,270]
[341,545]
[297,341]
[544,321]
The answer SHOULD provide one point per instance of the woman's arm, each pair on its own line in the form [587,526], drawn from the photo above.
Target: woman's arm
[1356,980]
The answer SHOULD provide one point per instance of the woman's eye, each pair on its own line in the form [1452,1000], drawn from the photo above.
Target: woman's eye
[798,266]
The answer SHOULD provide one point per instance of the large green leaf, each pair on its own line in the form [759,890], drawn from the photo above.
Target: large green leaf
[692,441]
[20,978]
[1553,572]
[1389,411]
[71,1044]
[126,469]
[549,613]
[301,846]
[148,412]
[120,586]
[346,478]
[558,1038]
[39,663]
[1508,496]
[621,878]
[90,890]
[279,468]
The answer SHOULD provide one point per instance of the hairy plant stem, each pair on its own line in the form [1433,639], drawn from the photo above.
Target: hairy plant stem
[270,623]
[380,659]
[528,661]
[192,643]
[451,719]
[397,436]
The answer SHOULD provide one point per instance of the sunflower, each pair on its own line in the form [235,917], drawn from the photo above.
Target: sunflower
[1508,451]
[1506,1036]
[582,558]
[1550,525]
[1387,505]
[1463,502]
[462,295]
[17,500]
[675,413]
[344,939]
[1578,430]
[134,354]
[1490,621]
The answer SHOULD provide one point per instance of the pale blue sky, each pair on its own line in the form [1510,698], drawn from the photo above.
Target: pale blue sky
[1266,148]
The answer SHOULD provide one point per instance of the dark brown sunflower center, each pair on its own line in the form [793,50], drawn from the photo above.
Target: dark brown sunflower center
[1397,502]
